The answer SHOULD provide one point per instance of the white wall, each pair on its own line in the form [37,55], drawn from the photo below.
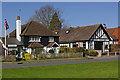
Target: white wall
[65,45]
[87,44]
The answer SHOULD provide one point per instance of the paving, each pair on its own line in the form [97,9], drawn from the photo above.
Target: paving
[46,63]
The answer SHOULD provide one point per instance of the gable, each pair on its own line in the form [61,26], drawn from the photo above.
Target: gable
[53,44]
[100,35]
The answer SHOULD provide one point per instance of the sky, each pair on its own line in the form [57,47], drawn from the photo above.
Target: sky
[74,13]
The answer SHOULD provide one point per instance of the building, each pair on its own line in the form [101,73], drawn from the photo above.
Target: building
[11,44]
[115,35]
[34,35]
[88,37]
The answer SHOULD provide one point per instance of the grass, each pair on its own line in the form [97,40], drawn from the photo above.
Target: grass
[82,70]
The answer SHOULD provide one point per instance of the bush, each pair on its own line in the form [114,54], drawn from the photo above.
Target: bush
[51,51]
[23,54]
[27,56]
[115,47]
[79,49]
[71,50]
[91,52]
[37,52]
[67,50]
[63,50]
[13,52]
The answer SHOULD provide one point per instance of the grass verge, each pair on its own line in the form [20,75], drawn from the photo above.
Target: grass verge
[107,69]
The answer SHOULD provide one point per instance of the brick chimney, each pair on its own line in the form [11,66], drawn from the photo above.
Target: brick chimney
[18,28]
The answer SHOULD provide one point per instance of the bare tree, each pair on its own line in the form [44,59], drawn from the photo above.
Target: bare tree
[44,15]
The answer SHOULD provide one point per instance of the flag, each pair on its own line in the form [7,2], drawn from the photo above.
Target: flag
[6,24]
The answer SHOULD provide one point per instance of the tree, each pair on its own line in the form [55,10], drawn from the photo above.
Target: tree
[55,23]
[44,15]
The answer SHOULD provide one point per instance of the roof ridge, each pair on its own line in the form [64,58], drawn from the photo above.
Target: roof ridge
[82,26]
[86,26]
[26,28]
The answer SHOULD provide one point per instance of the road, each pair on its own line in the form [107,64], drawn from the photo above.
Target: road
[46,63]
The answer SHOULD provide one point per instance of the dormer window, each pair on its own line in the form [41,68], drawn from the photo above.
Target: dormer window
[67,32]
[56,32]
[35,39]
[51,39]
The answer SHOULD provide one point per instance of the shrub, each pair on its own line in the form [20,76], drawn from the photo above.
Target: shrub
[27,56]
[23,54]
[71,50]
[37,52]
[51,51]
[13,52]
[63,50]
[79,49]
[91,52]
[115,48]
[67,50]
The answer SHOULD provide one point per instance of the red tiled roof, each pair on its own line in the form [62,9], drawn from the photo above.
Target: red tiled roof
[50,44]
[114,32]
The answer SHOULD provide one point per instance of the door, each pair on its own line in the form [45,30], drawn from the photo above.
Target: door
[98,45]
[55,51]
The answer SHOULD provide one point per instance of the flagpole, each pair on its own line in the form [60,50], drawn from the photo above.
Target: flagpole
[5,43]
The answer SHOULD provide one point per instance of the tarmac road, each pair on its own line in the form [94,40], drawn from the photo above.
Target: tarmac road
[46,63]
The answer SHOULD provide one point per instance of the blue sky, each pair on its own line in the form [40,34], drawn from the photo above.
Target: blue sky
[74,13]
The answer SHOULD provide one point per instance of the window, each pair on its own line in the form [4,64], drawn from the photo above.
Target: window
[35,39]
[51,39]
[84,45]
[67,32]
[75,45]
[56,32]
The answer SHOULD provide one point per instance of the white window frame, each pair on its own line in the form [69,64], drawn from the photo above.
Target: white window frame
[51,39]
[35,39]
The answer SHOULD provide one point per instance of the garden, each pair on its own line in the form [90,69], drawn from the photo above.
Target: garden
[64,52]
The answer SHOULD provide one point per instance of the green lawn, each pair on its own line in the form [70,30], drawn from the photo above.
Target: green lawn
[81,70]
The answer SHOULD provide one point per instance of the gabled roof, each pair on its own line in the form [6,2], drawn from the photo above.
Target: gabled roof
[78,33]
[33,28]
[52,44]
[35,45]
[36,29]
[13,33]
[114,33]
[111,32]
